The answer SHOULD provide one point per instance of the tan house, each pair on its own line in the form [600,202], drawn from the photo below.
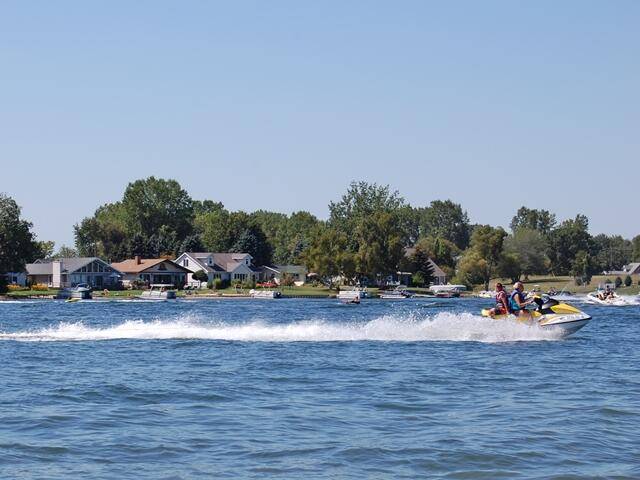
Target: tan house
[151,271]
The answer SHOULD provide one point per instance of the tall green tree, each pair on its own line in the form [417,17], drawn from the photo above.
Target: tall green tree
[328,255]
[542,221]
[565,241]
[447,220]
[635,244]
[481,260]
[153,203]
[17,243]
[528,247]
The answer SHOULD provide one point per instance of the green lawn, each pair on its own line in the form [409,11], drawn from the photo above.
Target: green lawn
[567,284]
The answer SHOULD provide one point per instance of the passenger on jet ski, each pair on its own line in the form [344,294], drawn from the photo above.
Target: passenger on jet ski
[517,300]
[502,302]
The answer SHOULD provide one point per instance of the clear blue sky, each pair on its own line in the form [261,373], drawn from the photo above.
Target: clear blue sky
[279,105]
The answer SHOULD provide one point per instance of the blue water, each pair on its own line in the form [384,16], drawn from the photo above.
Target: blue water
[313,389]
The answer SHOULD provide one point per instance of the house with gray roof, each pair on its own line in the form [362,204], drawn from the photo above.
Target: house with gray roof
[229,267]
[69,272]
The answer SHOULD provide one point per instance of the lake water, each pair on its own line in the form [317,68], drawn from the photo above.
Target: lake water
[313,389]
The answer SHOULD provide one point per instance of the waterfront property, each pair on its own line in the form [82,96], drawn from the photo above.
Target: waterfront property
[228,267]
[15,278]
[69,272]
[276,273]
[151,271]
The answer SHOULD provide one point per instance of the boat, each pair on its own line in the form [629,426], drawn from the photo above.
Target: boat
[352,296]
[448,294]
[82,291]
[268,294]
[159,291]
[398,293]
[550,314]
[613,300]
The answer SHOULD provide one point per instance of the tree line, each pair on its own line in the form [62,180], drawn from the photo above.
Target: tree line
[367,235]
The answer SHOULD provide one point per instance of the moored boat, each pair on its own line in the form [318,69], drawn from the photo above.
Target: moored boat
[159,291]
[264,294]
[398,293]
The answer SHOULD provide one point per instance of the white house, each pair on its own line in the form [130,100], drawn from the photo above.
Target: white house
[227,267]
[69,272]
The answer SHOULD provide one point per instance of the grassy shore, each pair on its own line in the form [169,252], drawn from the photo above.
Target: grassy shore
[567,284]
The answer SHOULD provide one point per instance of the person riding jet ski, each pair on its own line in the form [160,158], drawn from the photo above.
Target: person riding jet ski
[502,302]
[517,300]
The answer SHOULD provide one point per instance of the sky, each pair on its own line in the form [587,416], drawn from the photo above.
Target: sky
[280,105]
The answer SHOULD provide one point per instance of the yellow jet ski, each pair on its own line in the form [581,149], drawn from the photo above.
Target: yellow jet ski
[550,314]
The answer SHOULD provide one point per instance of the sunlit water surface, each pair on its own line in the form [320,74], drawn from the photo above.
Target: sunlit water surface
[313,389]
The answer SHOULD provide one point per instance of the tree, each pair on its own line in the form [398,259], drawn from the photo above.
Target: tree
[17,242]
[482,258]
[627,281]
[510,267]
[583,267]
[65,252]
[380,247]
[152,203]
[45,249]
[447,220]
[328,255]
[611,252]
[442,251]
[618,282]
[193,243]
[527,247]
[635,256]
[565,241]
[540,220]
[422,266]
[254,242]
[200,276]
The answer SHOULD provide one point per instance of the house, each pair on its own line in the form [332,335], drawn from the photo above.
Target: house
[228,267]
[439,277]
[276,272]
[632,269]
[69,272]
[15,278]
[152,271]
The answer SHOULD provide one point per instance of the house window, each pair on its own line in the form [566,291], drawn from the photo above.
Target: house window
[185,262]
[239,276]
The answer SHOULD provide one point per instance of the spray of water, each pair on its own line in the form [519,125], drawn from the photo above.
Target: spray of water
[443,326]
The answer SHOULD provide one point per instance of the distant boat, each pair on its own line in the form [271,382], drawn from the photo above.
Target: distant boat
[159,291]
[398,293]
[265,294]
[82,291]
[351,296]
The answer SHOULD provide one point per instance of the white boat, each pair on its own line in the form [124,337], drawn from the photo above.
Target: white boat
[615,300]
[82,291]
[159,291]
[267,294]
[447,288]
[351,296]
[397,294]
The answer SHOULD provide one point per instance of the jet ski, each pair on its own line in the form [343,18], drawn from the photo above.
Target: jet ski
[550,314]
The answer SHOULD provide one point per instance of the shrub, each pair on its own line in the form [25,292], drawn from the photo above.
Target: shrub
[3,285]
[210,285]
[287,280]
[417,279]
[40,287]
[618,282]
[248,284]
[578,281]
[627,281]
[15,288]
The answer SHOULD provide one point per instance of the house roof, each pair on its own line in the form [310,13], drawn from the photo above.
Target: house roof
[132,266]
[437,271]
[222,262]
[69,265]
[633,267]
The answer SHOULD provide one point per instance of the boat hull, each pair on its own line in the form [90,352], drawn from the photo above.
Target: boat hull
[566,324]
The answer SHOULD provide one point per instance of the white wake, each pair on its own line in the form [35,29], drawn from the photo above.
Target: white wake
[443,326]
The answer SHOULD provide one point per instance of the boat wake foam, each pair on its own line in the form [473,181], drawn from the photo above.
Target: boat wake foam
[443,326]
